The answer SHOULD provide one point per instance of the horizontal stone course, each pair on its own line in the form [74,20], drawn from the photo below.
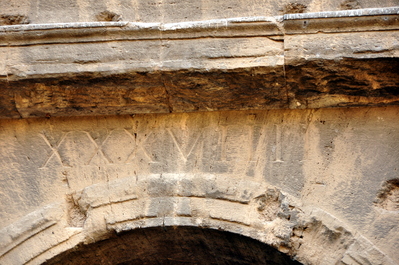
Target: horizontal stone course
[257,63]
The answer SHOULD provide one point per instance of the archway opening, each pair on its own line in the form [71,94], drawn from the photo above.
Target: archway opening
[174,245]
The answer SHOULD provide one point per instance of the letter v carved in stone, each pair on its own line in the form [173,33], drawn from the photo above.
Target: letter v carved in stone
[180,146]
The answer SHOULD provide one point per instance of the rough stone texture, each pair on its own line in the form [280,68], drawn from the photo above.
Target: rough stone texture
[388,198]
[306,60]
[13,20]
[302,181]
[249,142]
[311,84]
[170,11]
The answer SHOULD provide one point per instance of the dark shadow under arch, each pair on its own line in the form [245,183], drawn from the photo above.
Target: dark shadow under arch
[174,245]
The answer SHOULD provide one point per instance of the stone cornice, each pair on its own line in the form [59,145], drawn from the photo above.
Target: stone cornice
[358,20]
[107,68]
[56,33]
[345,13]
[375,19]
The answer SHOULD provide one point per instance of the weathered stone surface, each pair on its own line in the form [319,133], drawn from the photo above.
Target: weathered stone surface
[388,198]
[13,20]
[172,11]
[13,235]
[257,63]
[317,183]
[346,45]
[300,180]
[343,83]
[308,84]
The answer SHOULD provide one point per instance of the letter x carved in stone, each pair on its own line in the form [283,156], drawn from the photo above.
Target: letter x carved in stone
[54,149]
[96,147]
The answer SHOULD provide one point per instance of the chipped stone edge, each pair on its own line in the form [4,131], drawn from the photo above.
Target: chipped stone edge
[33,223]
[83,32]
[101,221]
[205,24]
[70,25]
[345,13]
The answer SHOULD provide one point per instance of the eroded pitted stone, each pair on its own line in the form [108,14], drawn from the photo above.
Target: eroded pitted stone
[388,197]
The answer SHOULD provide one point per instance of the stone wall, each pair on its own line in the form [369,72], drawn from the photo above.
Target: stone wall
[273,120]
[300,180]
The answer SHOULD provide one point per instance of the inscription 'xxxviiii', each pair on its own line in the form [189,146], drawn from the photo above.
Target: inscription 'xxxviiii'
[225,144]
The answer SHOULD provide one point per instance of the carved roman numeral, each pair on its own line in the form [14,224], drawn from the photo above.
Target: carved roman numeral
[54,149]
[191,147]
[277,147]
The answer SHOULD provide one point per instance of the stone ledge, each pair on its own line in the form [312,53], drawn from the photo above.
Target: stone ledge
[345,13]
[309,84]
[248,63]
[338,21]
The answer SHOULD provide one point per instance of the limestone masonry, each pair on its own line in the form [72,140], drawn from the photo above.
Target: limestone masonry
[199,132]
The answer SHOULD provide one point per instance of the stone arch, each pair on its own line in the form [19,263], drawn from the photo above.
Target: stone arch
[249,208]
[174,245]
[255,98]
